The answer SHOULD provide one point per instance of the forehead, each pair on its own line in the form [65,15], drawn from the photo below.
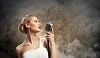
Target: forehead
[34,18]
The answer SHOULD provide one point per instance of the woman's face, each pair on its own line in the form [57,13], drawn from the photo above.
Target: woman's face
[35,25]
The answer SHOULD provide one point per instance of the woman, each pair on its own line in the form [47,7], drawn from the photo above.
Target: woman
[34,47]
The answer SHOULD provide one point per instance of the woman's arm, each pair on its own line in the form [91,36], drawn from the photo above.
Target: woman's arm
[53,50]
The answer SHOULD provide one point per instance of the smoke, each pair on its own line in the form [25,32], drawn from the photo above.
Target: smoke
[76,23]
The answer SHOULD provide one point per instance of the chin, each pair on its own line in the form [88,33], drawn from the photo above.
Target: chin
[38,30]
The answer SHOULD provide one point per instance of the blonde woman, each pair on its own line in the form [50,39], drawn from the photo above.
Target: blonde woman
[33,46]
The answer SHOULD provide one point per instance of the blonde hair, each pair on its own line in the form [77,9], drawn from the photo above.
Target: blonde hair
[22,26]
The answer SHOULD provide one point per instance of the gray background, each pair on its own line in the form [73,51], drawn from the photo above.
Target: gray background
[76,25]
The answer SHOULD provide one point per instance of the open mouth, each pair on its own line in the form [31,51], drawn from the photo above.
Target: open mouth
[39,27]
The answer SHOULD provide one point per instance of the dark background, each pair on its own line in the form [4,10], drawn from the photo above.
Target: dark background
[76,25]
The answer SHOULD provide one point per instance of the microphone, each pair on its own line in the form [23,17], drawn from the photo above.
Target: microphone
[48,28]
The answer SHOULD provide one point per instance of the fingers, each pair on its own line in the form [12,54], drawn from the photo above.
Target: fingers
[49,36]
[48,33]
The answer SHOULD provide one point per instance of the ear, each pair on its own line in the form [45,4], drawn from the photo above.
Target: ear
[27,25]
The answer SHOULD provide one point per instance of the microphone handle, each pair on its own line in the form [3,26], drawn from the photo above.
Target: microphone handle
[49,52]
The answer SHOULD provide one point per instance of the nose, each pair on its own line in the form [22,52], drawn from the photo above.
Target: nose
[39,24]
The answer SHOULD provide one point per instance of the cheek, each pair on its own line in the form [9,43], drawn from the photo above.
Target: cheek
[33,26]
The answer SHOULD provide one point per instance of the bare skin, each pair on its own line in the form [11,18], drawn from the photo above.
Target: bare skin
[32,41]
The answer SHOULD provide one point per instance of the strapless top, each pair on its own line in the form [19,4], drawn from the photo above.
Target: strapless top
[40,52]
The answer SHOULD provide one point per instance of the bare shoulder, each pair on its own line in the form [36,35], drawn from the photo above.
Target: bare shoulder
[19,51]
[19,48]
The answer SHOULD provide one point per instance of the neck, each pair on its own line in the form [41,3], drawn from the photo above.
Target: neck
[31,37]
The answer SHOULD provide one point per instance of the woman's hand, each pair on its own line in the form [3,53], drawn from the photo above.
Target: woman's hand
[50,36]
